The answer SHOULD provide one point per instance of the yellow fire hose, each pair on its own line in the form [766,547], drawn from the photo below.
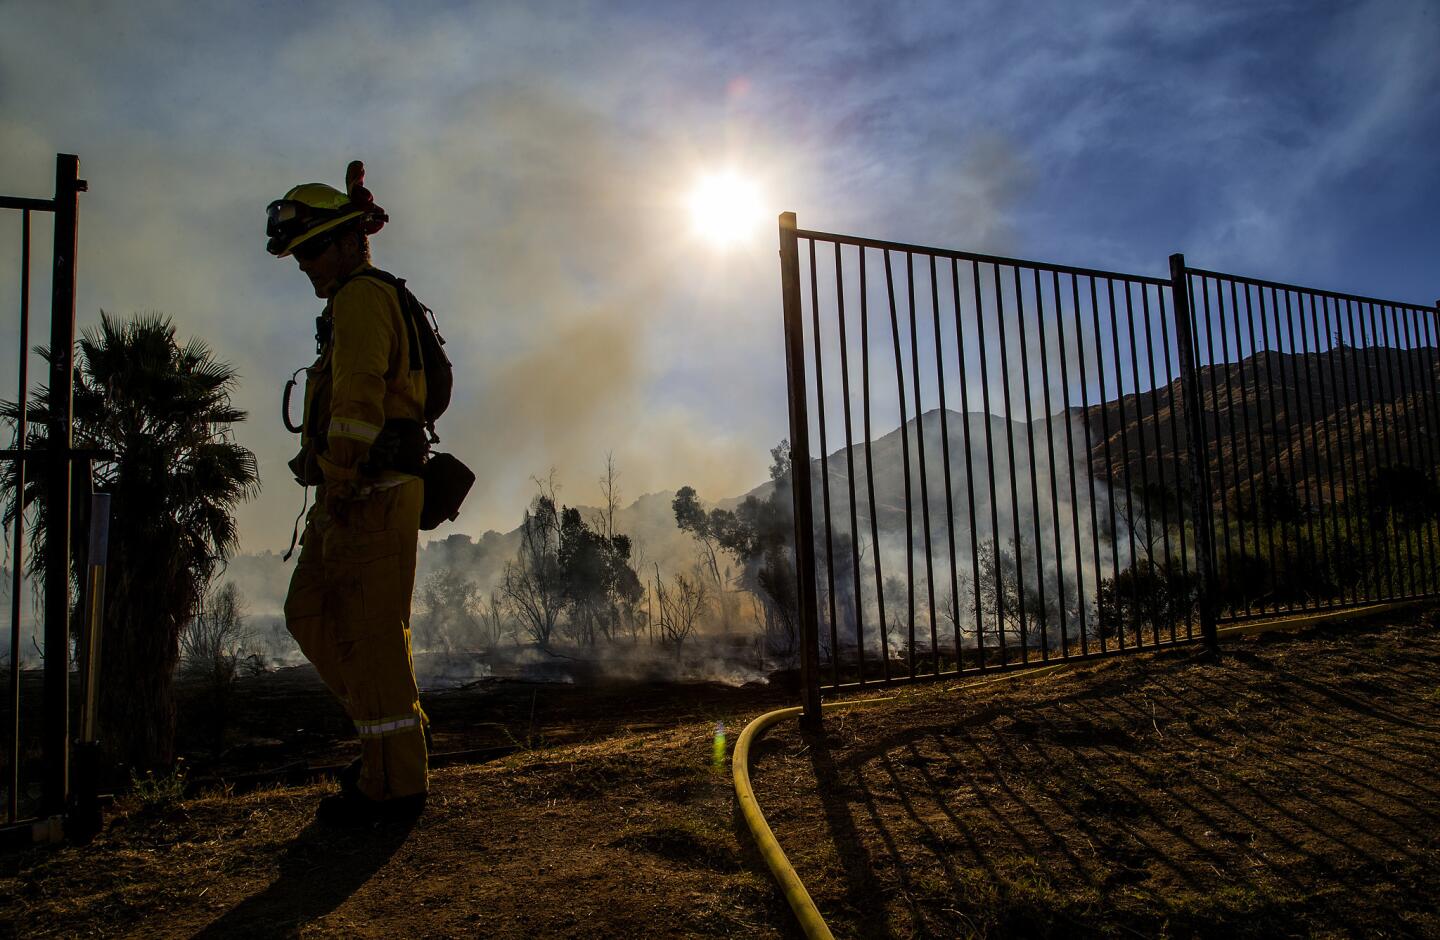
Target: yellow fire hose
[809,916]
[795,893]
[800,901]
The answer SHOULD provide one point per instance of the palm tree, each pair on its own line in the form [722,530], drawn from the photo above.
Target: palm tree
[163,410]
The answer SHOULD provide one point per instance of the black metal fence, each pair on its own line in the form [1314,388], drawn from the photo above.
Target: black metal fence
[1321,414]
[1015,462]
[56,462]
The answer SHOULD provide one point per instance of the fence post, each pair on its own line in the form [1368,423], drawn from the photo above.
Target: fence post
[1200,501]
[55,743]
[17,569]
[800,475]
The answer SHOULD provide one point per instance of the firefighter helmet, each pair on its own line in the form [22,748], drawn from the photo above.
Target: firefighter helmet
[312,209]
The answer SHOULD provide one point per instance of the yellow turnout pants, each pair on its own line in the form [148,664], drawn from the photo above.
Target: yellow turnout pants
[349,609]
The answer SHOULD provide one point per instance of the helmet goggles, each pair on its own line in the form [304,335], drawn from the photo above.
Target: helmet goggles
[287,219]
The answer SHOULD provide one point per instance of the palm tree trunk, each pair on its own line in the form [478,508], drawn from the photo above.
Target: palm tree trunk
[141,648]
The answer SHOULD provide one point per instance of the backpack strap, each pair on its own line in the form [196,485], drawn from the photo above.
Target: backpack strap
[404,297]
[411,311]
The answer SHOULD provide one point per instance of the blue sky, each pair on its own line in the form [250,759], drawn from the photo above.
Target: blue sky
[535,160]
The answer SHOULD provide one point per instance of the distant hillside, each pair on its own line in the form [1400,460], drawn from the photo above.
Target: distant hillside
[1350,410]
[989,442]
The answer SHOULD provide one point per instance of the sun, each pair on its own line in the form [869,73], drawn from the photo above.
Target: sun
[725,208]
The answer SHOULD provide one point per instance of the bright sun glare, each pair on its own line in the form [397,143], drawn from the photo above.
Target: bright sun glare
[725,208]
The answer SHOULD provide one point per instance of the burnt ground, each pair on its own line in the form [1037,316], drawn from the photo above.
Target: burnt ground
[1290,789]
[286,718]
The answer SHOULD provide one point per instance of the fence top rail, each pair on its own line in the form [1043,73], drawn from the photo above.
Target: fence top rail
[22,202]
[861,242]
[1297,288]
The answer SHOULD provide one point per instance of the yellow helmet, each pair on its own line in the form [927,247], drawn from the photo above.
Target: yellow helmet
[311,209]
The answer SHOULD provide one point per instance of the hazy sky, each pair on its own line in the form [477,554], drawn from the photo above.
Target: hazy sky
[536,161]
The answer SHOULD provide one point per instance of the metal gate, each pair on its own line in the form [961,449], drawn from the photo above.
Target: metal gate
[55,462]
[1102,487]
[1320,411]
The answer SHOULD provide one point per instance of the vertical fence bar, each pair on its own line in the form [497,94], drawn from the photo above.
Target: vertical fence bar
[800,473]
[1230,489]
[1054,482]
[1283,454]
[969,463]
[1329,406]
[1392,444]
[1324,458]
[1415,457]
[1070,458]
[824,465]
[1400,423]
[905,455]
[1099,625]
[1178,464]
[1299,360]
[1251,471]
[945,456]
[12,802]
[1024,631]
[859,599]
[1140,454]
[1129,515]
[1425,374]
[56,740]
[1260,355]
[1190,389]
[1292,548]
[1424,325]
[1341,403]
[1109,465]
[1421,448]
[1404,424]
[1163,492]
[1370,447]
[1042,616]
[1305,543]
[990,465]
[1306,548]
[1221,538]
[870,476]
[1214,551]
[1241,459]
[920,455]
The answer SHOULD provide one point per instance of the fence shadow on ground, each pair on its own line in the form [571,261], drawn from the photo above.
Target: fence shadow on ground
[1191,798]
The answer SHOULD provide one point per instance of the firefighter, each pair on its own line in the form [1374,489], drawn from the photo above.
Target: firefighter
[348,606]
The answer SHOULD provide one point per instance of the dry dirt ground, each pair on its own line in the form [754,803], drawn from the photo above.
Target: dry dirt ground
[1289,789]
